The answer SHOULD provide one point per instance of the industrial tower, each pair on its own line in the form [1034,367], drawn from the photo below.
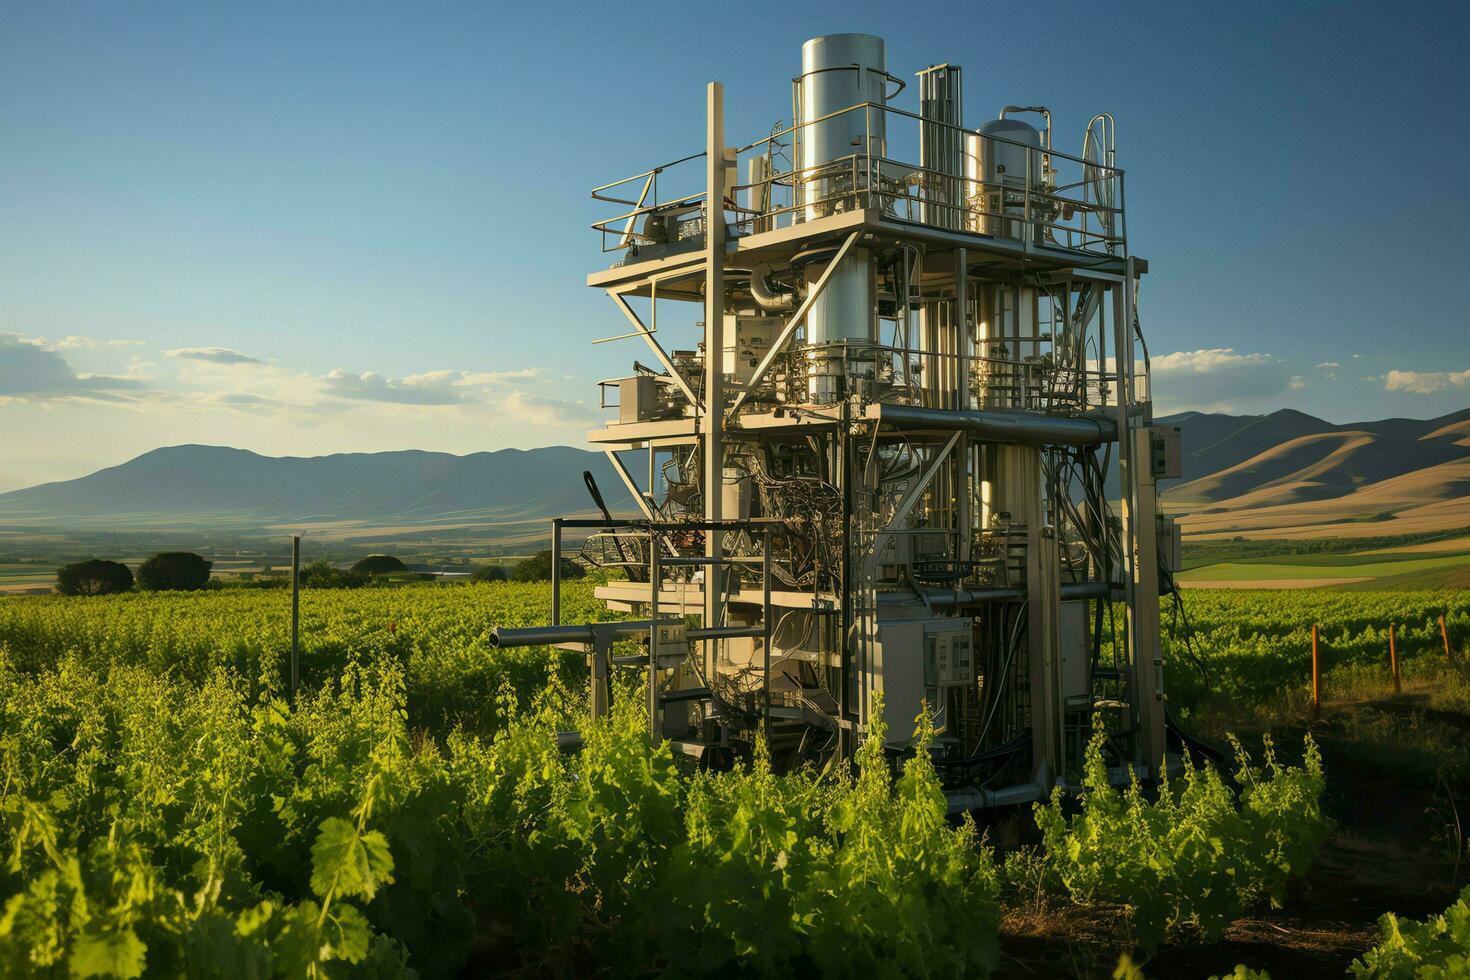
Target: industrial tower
[879,476]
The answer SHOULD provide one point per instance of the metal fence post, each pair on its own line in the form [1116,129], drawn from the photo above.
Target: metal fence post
[1393,661]
[295,613]
[1316,674]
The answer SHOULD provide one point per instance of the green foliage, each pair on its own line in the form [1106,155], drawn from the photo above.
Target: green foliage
[1129,970]
[1192,860]
[537,568]
[1435,948]
[174,570]
[490,573]
[1256,646]
[320,574]
[378,565]
[163,811]
[95,576]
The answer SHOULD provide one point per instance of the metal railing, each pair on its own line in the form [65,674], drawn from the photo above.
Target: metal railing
[1059,201]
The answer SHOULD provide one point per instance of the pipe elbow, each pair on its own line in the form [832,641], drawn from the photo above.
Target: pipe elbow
[767,298]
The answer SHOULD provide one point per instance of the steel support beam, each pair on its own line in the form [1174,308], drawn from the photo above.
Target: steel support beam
[655,346]
[714,351]
[1140,547]
[627,478]
[917,488]
[788,331]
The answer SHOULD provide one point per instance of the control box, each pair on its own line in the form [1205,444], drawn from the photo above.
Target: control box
[1166,447]
[1171,543]
[951,661]
[671,642]
[637,398]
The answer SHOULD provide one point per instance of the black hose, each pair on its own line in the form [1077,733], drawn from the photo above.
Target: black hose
[592,489]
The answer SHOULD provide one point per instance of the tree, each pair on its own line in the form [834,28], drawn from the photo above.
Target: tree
[174,571]
[537,568]
[378,565]
[321,575]
[96,576]
[490,573]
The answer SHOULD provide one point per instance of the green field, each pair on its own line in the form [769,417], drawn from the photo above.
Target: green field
[1318,567]
[166,809]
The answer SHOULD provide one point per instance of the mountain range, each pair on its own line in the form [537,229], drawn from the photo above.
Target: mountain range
[1285,474]
[1290,475]
[222,487]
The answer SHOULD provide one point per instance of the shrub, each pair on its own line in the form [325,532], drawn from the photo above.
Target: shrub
[321,575]
[378,565]
[1194,859]
[174,571]
[537,568]
[490,573]
[1437,947]
[95,576]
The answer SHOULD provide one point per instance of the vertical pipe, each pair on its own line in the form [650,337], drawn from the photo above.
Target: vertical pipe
[655,721]
[1393,661]
[769,627]
[556,571]
[1316,674]
[295,613]
[714,345]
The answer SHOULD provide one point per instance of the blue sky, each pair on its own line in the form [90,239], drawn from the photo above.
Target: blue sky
[312,228]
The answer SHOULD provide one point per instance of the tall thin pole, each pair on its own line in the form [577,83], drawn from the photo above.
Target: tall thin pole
[714,357]
[295,612]
[1444,634]
[556,571]
[1393,661]
[1316,674]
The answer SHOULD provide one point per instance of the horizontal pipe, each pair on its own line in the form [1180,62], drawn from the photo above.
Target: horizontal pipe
[975,597]
[535,636]
[1019,428]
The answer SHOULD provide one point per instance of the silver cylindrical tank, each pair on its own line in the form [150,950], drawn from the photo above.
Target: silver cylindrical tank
[1010,346]
[1001,161]
[838,71]
[840,326]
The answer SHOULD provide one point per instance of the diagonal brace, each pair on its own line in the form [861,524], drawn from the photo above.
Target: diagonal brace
[657,348]
[796,320]
[917,488]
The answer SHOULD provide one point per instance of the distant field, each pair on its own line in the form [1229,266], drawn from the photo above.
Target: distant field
[1416,569]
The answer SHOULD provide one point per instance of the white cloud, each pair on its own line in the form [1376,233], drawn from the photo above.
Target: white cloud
[538,410]
[1296,383]
[79,342]
[1329,364]
[214,355]
[1425,382]
[502,377]
[32,371]
[1218,379]
[1207,361]
[429,388]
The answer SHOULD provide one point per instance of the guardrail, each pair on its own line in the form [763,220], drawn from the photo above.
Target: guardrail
[1059,200]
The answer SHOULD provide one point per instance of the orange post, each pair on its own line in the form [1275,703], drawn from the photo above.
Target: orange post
[1316,673]
[1393,660]
[1444,634]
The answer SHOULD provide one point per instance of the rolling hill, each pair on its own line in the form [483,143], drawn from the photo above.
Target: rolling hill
[1290,475]
[219,486]
[1282,475]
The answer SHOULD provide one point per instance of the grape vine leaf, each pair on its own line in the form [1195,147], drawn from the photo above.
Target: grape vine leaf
[117,953]
[346,862]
